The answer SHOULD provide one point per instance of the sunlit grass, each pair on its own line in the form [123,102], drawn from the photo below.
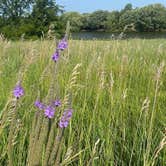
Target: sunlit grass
[119,99]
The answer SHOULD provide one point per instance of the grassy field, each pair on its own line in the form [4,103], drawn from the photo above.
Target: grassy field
[117,90]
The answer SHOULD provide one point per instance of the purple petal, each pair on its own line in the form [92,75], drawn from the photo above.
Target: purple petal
[55,56]
[49,112]
[18,91]
[39,105]
[64,121]
[57,103]
[62,44]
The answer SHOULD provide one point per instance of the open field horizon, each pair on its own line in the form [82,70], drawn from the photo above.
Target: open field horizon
[118,98]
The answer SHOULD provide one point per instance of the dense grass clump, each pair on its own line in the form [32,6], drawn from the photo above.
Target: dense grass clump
[118,98]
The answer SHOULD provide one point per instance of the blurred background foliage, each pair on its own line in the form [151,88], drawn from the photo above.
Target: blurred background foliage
[40,18]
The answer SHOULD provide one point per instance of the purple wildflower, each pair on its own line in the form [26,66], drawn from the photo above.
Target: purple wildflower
[39,105]
[62,44]
[55,56]
[57,103]
[49,112]
[18,91]
[64,121]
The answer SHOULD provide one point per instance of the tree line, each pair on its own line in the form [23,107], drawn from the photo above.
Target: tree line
[29,18]
[150,18]
[36,18]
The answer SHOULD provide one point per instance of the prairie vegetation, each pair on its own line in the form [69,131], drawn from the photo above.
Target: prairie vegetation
[117,91]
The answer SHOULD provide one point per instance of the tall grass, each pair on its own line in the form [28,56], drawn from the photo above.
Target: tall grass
[119,101]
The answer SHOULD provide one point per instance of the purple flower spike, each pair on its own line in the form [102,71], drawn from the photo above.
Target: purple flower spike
[18,91]
[39,105]
[57,103]
[55,56]
[62,44]
[64,122]
[49,112]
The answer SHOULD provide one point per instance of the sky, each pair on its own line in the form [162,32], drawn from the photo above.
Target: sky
[85,6]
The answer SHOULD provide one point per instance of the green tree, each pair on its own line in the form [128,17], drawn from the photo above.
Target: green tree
[85,21]
[97,20]
[45,12]
[75,18]
[112,23]
[148,18]
[127,8]
[152,18]
[129,18]
[14,9]
[12,13]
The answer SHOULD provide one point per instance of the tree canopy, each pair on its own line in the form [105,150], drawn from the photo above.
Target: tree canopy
[30,17]
[14,8]
[33,18]
[150,18]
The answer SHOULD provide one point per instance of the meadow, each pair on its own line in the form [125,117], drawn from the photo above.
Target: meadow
[117,91]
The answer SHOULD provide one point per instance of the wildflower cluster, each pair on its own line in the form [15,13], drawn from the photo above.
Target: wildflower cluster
[62,45]
[49,121]
[65,118]
[18,91]
[39,105]
[49,110]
